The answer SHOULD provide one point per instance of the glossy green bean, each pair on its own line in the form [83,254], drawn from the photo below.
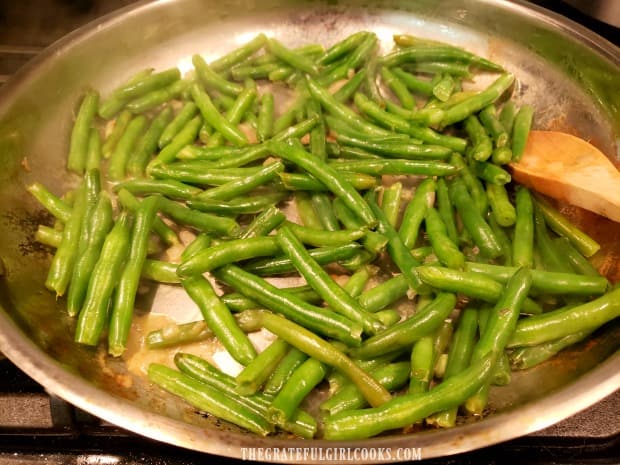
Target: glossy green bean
[390,202]
[171,129]
[473,184]
[287,366]
[120,124]
[78,148]
[350,87]
[93,153]
[395,166]
[212,80]
[328,176]
[422,361]
[167,187]
[238,205]
[319,320]
[579,263]
[296,60]
[384,294]
[227,252]
[157,97]
[265,222]
[446,251]
[239,54]
[501,208]
[398,87]
[185,136]
[256,373]
[562,225]
[423,199]
[520,130]
[522,358]
[445,209]
[147,145]
[208,399]
[553,258]
[53,204]
[305,378]
[265,121]
[523,242]
[160,271]
[124,298]
[197,172]
[117,166]
[203,221]
[555,324]
[106,274]
[480,231]
[482,147]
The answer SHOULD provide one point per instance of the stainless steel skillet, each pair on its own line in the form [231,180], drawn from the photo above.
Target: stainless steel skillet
[569,74]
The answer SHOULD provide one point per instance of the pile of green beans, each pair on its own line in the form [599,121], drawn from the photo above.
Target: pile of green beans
[415,298]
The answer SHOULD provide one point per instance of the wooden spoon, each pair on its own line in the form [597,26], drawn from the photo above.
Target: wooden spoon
[570,169]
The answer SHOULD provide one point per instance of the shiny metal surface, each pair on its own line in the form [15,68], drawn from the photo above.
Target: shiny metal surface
[568,73]
[604,10]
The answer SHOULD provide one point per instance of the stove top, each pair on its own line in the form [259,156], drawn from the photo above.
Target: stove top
[36,428]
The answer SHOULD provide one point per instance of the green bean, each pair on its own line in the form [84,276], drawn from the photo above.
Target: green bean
[481,233]
[397,149]
[459,357]
[211,80]
[562,226]
[219,319]
[53,204]
[553,258]
[164,231]
[317,319]
[208,399]
[473,104]
[350,87]
[80,133]
[322,204]
[398,87]
[160,271]
[413,83]
[395,166]
[260,71]
[305,210]
[93,153]
[236,112]
[200,220]
[391,376]
[521,130]
[120,125]
[384,294]
[505,242]
[422,363]
[216,155]
[214,118]
[407,332]
[185,136]
[523,243]
[371,66]
[328,176]
[445,209]
[396,248]
[98,226]
[296,60]
[305,378]
[426,134]
[106,274]
[579,263]
[227,252]
[239,205]
[125,146]
[522,358]
[416,209]
[338,299]
[390,202]
[308,342]
[176,335]
[555,324]
[342,48]
[238,303]
[493,125]
[321,237]
[303,424]
[147,145]
[304,182]
[287,366]
[339,110]
[256,373]
[482,147]
[61,268]
[197,172]
[147,84]
[48,236]
[269,219]
[423,48]
[405,410]
[201,241]
[548,282]
[473,285]
[237,55]
[507,115]
[169,188]
[124,299]
[501,208]
[242,185]
[501,155]
[114,103]
[446,251]
[157,97]
[184,116]
[499,329]
[265,117]
[491,173]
